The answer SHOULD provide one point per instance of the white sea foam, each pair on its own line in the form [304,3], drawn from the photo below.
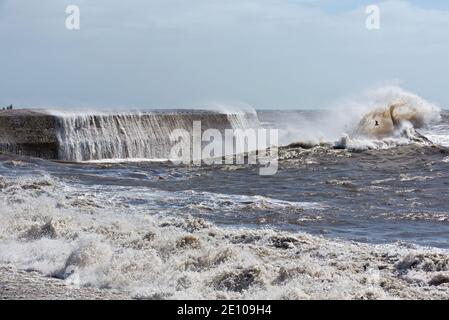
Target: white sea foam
[126,160]
[108,244]
[438,134]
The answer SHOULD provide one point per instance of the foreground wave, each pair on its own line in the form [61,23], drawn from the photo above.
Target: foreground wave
[88,240]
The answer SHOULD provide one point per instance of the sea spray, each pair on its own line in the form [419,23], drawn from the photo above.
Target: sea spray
[103,136]
[355,119]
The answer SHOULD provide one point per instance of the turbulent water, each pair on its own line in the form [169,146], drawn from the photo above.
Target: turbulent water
[347,215]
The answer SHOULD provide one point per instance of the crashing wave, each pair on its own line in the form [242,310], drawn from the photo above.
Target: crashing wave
[166,256]
[384,118]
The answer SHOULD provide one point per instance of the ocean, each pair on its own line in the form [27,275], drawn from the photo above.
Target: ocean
[345,216]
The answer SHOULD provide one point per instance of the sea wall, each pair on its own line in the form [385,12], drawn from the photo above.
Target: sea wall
[95,136]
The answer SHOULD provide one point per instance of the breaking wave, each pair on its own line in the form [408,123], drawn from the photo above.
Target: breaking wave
[380,118]
[94,243]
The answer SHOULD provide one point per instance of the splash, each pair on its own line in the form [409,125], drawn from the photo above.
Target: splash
[402,114]
[378,118]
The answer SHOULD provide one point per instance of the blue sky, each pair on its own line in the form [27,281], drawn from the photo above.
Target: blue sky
[184,53]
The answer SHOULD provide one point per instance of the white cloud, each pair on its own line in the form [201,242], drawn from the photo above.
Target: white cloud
[170,53]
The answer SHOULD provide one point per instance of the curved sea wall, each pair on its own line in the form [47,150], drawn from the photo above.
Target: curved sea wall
[98,136]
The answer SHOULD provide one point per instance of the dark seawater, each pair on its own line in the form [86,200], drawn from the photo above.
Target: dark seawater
[383,195]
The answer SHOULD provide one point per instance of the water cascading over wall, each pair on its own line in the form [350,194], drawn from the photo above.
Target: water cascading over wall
[99,136]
